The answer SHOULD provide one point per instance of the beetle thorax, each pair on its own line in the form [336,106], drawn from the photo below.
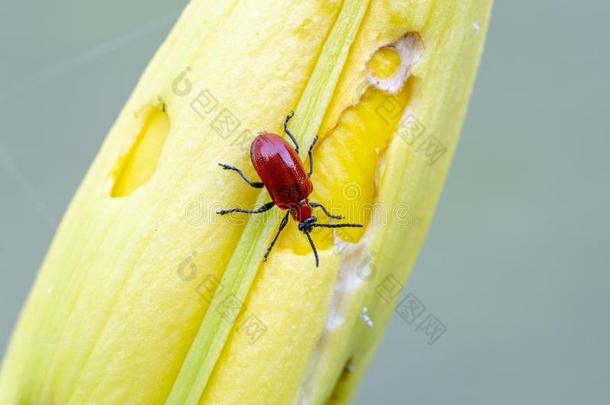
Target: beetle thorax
[301,211]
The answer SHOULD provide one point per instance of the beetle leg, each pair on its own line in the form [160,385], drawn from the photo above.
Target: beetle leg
[255,184]
[260,210]
[280,229]
[328,214]
[296,144]
[313,247]
[310,153]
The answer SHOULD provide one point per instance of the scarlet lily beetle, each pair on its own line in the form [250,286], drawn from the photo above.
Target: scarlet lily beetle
[282,174]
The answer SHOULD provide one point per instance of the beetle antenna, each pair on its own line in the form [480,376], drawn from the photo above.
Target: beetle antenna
[338,225]
[313,247]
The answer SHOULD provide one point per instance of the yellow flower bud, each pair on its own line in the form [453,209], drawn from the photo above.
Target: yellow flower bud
[147,296]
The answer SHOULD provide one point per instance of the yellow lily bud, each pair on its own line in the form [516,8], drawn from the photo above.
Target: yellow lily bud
[147,296]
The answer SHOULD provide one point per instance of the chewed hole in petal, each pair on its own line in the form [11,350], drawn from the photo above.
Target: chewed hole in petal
[136,167]
[349,158]
[390,67]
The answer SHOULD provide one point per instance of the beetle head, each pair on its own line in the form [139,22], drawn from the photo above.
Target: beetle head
[307,225]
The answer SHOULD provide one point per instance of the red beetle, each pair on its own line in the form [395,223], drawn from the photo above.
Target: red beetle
[282,173]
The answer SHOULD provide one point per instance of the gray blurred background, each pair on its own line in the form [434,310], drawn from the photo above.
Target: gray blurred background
[517,263]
